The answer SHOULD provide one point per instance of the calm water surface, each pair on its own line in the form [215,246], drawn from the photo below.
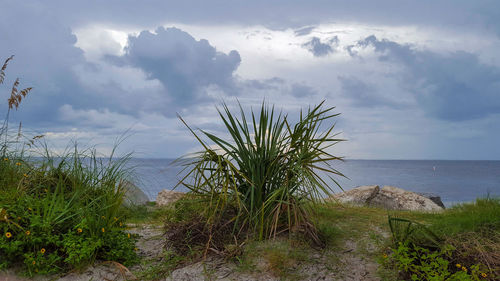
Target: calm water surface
[454,181]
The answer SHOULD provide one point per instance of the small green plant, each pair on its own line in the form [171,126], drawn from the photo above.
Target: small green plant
[418,263]
[462,243]
[405,231]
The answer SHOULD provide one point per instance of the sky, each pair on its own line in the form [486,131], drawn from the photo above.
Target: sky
[411,79]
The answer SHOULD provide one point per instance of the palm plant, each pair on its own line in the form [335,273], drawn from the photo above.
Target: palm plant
[270,171]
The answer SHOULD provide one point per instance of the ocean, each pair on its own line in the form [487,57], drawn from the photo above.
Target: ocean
[454,181]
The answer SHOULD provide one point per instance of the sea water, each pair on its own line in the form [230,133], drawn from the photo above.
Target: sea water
[454,181]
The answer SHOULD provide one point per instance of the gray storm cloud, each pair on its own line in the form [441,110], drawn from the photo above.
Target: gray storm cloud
[319,48]
[364,94]
[185,66]
[292,13]
[455,86]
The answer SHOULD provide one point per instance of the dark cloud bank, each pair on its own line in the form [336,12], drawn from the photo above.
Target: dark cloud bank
[282,14]
[454,86]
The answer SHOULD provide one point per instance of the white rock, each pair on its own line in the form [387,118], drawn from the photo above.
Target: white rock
[166,197]
[134,195]
[359,195]
[395,198]
[388,197]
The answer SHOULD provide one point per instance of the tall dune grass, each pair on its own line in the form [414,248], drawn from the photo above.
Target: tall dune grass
[59,212]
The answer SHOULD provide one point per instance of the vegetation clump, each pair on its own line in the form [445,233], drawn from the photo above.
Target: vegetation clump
[265,177]
[59,212]
[462,243]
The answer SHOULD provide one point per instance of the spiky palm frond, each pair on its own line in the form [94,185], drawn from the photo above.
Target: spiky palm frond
[269,169]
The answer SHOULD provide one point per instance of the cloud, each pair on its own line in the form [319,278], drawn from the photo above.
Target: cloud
[454,86]
[45,59]
[301,90]
[385,88]
[320,49]
[452,14]
[185,66]
[364,94]
[304,30]
[95,118]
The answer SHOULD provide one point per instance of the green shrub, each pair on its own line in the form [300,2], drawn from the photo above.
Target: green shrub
[59,213]
[466,236]
[268,170]
[417,263]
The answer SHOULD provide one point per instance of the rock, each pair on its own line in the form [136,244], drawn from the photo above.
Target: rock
[360,195]
[434,197]
[134,195]
[388,197]
[166,197]
[394,198]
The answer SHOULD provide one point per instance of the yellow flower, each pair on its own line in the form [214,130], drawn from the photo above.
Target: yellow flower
[6,159]
[28,232]
[135,249]
[121,223]
[385,256]
[128,235]
[458,265]
[115,218]
[79,230]
[8,234]
[464,268]
[29,209]
[25,175]
[484,275]
[18,164]
[42,251]
[102,229]
[34,262]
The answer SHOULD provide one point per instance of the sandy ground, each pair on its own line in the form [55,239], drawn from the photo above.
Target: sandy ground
[352,264]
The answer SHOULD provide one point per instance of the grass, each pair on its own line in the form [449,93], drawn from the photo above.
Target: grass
[466,217]
[58,212]
[64,212]
[148,213]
